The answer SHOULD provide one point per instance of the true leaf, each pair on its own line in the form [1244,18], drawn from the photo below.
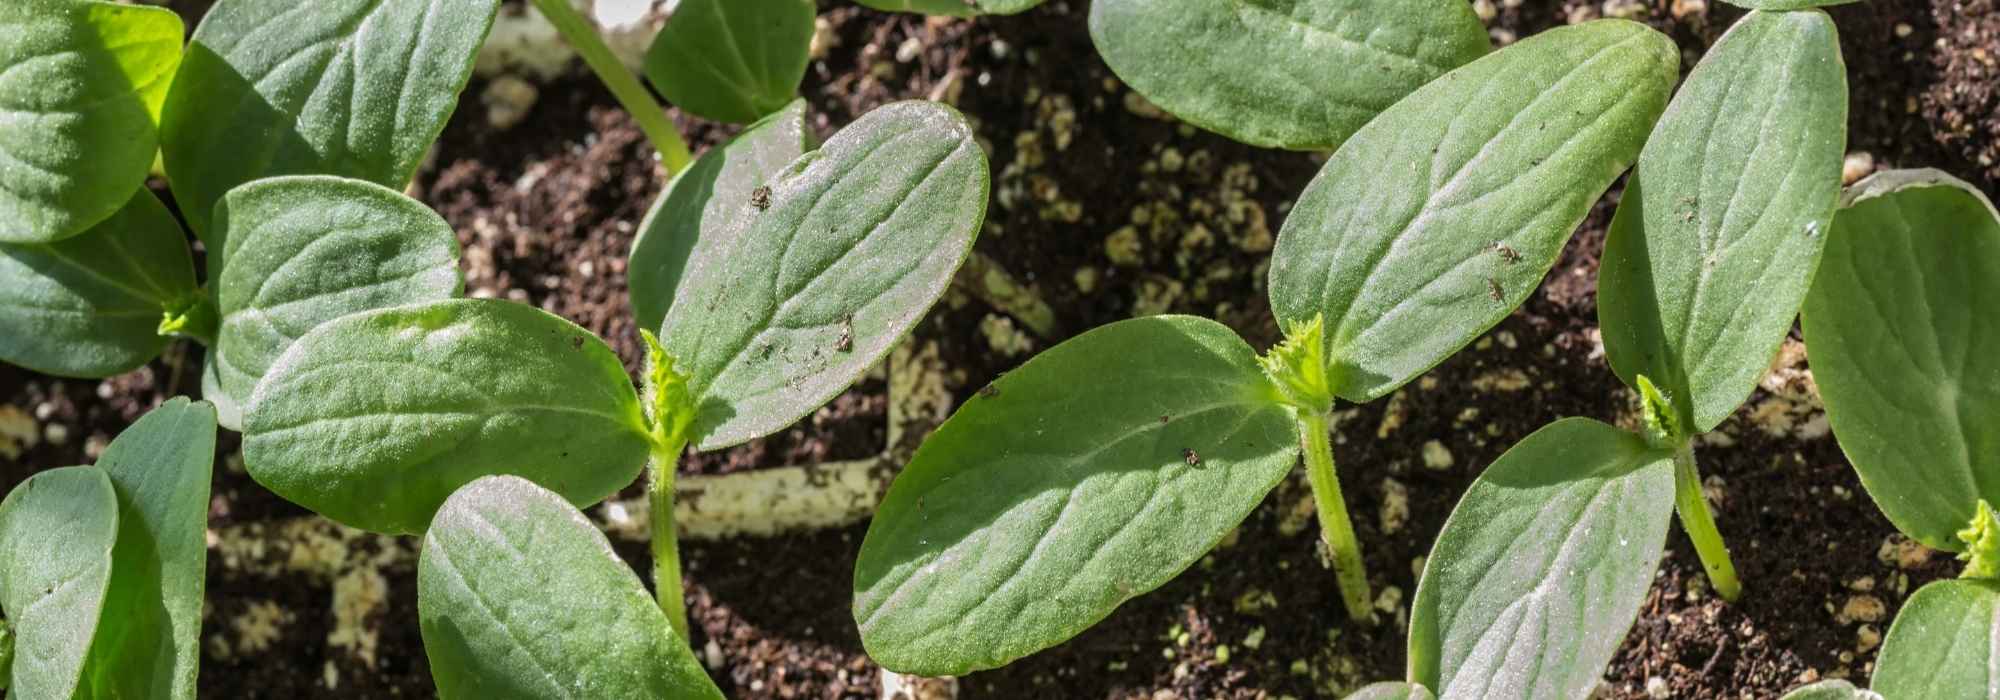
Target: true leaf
[701,202]
[81,96]
[305,250]
[1438,218]
[732,60]
[1392,691]
[520,596]
[1786,4]
[1706,265]
[148,642]
[1094,473]
[953,8]
[56,534]
[1541,568]
[1944,645]
[1831,690]
[1299,74]
[356,88]
[374,419]
[90,305]
[814,286]
[1902,321]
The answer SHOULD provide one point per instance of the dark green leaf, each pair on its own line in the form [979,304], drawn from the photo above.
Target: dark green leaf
[1440,217]
[953,8]
[700,203]
[1541,568]
[1300,74]
[1705,268]
[56,534]
[732,60]
[521,597]
[801,296]
[1090,475]
[356,88]
[1904,321]
[90,305]
[374,419]
[1944,645]
[80,95]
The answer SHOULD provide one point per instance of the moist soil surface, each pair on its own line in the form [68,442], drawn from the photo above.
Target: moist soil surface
[1107,209]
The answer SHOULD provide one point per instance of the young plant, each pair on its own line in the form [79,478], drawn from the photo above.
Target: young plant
[1105,466]
[102,567]
[1543,565]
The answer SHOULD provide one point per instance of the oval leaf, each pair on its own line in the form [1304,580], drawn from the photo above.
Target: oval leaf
[1541,568]
[1902,322]
[1440,217]
[521,597]
[1831,690]
[148,644]
[375,418]
[953,8]
[1786,4]
[1092,474]
[56,534]
[1944,645]
[81,93]
[356,88]
[1392,691]
[732,60]
[699,204]
[810,289]
[1299,74]
[90,305]
[1706,266]
[307,250]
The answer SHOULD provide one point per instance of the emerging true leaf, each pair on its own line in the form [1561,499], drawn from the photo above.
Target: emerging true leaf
[700,204]
[814,283]
[1440,217]
[1542,567]
[520,596]
[56,534]
[1706,264]
[356,88]
[1903,321]
[1392,691]
[305,250]
[90,305]
[732,60]
[148,642]
[1944,644]
[953,8]
[375,418]
[1092,474]
[1299,74]
[81,94]
[1831,690]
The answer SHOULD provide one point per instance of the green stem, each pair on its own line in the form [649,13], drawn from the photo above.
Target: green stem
[624,86]
[1700,525]
[666,538]
[1334,525]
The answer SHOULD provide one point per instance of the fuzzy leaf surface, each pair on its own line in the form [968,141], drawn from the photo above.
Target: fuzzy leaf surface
[1831,690]
[1944,645]
[1392,691]
[953,8]
[57,530]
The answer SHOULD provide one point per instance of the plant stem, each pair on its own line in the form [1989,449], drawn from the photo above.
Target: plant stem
[1700,525]
[1334,526]
[623,85]
[666,538]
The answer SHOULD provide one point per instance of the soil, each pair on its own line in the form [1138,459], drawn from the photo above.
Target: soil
[1107,209]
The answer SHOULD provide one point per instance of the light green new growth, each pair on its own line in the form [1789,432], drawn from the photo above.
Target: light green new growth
[669,401]
[1298,366]
[193,316]
[1663,425]
[669,404]
[1982,544]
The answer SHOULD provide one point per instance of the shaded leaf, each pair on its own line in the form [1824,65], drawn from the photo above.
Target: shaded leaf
[1944,645]
[953,8]
[732,60]
[1392,691]
[56,534]
[1831,690]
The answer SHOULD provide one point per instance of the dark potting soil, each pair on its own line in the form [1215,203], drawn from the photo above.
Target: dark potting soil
[1106,209]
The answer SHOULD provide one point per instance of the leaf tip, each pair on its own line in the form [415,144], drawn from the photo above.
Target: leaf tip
[1297,365]
[1663,423]
[669,400]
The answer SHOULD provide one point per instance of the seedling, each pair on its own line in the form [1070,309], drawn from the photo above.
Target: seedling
[1041,506]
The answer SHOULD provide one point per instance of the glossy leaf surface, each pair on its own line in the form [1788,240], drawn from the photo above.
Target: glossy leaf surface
[56,534]
[732,60]
[1944,645]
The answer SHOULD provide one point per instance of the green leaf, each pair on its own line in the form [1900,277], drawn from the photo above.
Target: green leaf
[306,250]
[803,294]
[374,419]
[521,597]
[356,88]
[1786,4]
[1706,265]
[1943,644]
[1299,74]
[1542,567]
[56,534]
[81,96]
[1392,691]
[1831,690]
[1094,473]
[90,305]
[732,60]
[1903,320]
[953,8]
[1440,217]
[148,643]
[698,206]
